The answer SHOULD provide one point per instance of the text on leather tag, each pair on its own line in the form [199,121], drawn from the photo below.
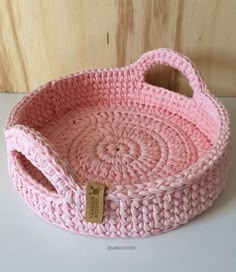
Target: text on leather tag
[94,202]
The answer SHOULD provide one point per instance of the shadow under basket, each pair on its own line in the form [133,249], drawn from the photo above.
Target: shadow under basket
[163,157]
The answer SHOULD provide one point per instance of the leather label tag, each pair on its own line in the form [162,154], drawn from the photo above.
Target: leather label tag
[94,202]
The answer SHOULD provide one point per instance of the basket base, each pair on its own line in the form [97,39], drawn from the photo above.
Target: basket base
[114,146]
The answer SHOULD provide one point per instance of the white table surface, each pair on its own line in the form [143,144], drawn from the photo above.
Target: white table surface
[29,244]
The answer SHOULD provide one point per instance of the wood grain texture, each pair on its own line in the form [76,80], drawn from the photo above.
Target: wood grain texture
[42,40]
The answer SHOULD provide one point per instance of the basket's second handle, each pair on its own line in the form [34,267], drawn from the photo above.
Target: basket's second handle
[173,59]
[41,154]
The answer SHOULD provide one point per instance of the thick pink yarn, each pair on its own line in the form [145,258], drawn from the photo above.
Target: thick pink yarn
[164,157]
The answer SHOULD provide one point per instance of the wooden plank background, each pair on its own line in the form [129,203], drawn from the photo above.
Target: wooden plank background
[42,40]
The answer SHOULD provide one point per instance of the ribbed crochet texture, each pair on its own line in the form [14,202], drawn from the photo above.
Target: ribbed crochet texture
[164,157]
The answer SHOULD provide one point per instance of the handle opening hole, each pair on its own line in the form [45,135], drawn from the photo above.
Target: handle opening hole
[169,78]
[32,172]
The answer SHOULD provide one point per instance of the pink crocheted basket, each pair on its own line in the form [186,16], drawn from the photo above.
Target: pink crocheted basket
[164,157]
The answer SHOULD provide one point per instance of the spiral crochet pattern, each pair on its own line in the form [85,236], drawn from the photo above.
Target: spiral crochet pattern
[163,157]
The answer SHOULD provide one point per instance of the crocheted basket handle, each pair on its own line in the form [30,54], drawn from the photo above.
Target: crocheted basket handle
[175,60]
[42,155]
